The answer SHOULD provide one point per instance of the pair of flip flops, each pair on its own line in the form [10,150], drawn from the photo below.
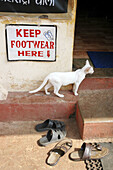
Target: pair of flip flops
[56,131]
[86,152]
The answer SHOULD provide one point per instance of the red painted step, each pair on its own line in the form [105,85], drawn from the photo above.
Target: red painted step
[22,106]
[96,83]
[94,113]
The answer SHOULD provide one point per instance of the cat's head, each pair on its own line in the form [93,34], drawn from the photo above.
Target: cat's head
[88,68]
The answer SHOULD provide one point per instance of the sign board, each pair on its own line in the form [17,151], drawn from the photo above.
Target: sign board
[31,42]
[34,6]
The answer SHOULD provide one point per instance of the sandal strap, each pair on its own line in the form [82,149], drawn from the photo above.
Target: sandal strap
[55,134]
[58,124]
[87,151]
[97,147]
[55,124]
[88,148]
[63,146]
[50,123]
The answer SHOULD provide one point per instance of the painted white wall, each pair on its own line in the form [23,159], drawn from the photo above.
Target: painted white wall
[27,75]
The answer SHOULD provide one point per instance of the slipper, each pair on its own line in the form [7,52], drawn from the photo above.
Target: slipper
[49,124]
[87,152]
[58,151]
[52,136]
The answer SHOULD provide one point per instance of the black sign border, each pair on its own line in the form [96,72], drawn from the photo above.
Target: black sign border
[9,60]
[32,8]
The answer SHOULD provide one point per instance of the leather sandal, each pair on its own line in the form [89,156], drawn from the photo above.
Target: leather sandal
[87,152]
[49,124]
[52,136]
[58,151]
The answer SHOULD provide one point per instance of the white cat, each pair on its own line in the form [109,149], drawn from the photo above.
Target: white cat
[58,79]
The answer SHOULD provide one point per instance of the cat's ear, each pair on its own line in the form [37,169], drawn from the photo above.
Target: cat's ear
[87,62]
[87,69]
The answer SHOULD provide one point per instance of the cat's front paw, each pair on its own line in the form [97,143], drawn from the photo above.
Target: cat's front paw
[47,93]
[76,94]
[61,95]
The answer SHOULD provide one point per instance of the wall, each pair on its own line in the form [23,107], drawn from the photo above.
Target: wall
[27,75]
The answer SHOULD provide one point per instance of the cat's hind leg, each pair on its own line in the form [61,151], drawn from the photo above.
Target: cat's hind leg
[47,87]
[56,89]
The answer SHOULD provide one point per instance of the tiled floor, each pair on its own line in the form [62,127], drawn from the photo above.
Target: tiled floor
[19,149]
[92,34]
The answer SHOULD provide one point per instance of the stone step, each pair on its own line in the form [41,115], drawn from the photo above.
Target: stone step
[22,106]
[94,113]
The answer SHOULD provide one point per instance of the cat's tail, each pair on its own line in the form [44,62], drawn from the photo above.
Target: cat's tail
[41,86]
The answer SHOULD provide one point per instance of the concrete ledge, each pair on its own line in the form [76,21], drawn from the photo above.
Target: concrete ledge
[96,83]
[22,106]
[94,113]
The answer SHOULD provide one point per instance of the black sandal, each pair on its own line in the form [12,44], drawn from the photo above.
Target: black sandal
[50,124]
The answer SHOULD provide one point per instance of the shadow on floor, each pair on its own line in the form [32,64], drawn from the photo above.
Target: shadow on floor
[28,127]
